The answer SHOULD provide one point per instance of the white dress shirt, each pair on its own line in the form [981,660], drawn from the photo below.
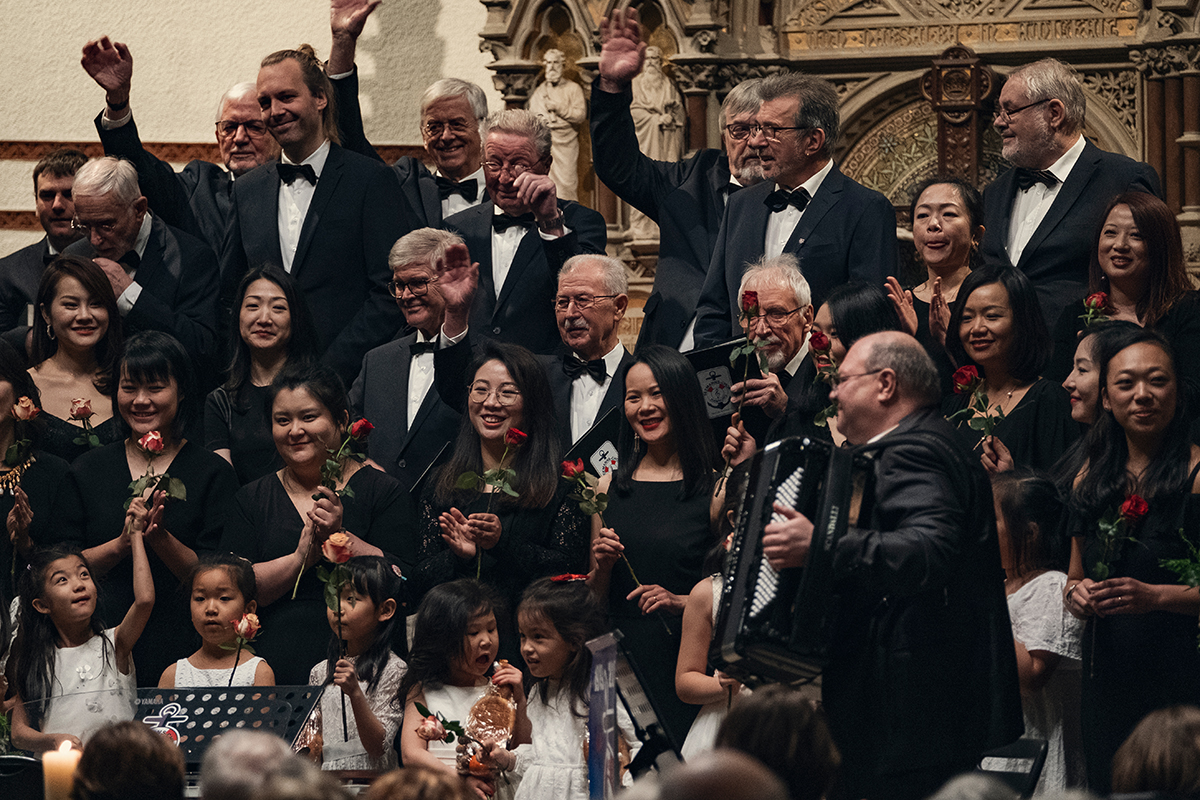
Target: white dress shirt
[1030,205]
[504,249]
[294,201]
[781,224]
[456,202]
[420,372]
[587,395]
[134,290]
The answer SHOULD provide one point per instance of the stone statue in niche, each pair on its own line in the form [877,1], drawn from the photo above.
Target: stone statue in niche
[658,118]
[560,104]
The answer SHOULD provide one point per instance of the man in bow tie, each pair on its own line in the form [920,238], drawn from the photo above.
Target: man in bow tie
[838,229]
[1042,215]
[326,215]
[522,234]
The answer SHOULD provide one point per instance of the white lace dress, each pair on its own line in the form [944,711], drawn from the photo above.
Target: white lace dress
[703,733]
[1041,622]
[88,692]
[187,675]
[349,753]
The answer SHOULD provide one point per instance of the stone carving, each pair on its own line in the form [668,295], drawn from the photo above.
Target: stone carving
[1165,62]
[559,102]
[514,86]
[972,34]
[693,77]
[1118,91]
[658,118]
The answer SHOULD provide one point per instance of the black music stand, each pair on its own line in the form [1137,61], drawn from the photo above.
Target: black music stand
[194,717]
[656,741]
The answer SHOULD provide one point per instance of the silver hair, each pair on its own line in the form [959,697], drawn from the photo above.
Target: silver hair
[238,763]
[784,270]
[916,376]
[236,92]
[105,176]
[742,99]
[453,87]
[422,245]
[1051,79]
[612,271]
[975,786]
[520,122]
[818,102]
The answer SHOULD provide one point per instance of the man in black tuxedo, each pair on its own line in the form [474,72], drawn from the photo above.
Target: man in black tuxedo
[1043,215]
[522,234]
[198,198]
[686,198]
[452,113]
[395,389]
[21,272]
[922,675]
[164,279]
[838,229]
[323,214]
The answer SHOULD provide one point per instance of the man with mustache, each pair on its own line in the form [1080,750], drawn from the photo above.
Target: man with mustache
[327,216]
[838,229]
[687,198]
[198,198]
[452,113]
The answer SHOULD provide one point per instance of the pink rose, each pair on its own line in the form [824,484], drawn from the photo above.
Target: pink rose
[152,442]
[337,548]
[247,627]
[81,408]
[431,730]
[25,409]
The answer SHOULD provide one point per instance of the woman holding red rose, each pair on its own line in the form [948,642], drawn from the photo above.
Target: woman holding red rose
[277,524]
[1134,502]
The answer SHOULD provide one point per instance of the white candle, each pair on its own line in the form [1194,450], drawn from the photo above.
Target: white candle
[58,771]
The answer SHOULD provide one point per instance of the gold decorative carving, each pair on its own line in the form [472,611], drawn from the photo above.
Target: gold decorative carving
[971,34]
[19,221]
[1118,91]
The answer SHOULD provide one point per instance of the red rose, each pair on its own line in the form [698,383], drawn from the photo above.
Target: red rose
[572,469]
[1096,301]
[337,548]
[361,429]
[81,408]
[25,409]
[247,627]
[515,438]
[818,341]
[965,379]
[152,442]
[1134,508]
[749,301]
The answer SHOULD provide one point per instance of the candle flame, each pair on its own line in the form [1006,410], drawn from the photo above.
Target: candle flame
[64,747]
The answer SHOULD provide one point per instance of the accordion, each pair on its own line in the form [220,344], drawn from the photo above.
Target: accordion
[775,626]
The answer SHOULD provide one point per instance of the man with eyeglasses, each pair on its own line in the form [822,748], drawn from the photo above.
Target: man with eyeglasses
[838,229]
[922,673]
[686,198]
[1042,215]
[196,199]
[164,279]
[522,234]
[452,113]
[395,387]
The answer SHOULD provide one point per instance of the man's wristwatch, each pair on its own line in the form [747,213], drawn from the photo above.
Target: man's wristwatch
[551,225]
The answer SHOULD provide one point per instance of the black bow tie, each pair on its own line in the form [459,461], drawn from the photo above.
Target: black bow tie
[502,222]
[417,348]
[574,368]
[732,187]
[469,189]
[1026,178]
[47,257]
[289,172]
[131,261]
[780,199]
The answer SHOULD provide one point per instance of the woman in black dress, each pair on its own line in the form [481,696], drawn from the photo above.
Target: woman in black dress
[1140,646]
[510,541]
[997,327]
[155,392]
[74,346]
[276,523]
[658,518]
[274,329]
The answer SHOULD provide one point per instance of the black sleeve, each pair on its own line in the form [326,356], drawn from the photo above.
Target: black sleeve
[160,184]
[349,116]
[218,420]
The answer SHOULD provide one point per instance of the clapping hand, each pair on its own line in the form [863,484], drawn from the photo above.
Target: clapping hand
[18,521]
[456,533]
[902,299]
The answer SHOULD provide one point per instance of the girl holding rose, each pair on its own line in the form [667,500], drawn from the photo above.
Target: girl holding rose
[156,393]
[74,347]
[1135,503]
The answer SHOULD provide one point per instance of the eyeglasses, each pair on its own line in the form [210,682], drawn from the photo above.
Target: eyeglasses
[838,380]
[433,128]
[740,131]
[515,168]
[582,302]
[505,395]
[228,127]
[1008,114]
[86,228]
[774,318]
[417,286]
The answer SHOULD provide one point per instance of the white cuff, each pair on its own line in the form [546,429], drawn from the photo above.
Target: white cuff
[128,297]
[110,124]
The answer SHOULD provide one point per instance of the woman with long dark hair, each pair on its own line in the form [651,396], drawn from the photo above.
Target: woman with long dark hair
[657,524]
[274,330]
[73,352]
[1134,505]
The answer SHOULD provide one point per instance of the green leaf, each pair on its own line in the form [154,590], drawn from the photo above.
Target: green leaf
[508,490]
[449,736]
[468,480]
[977,423]
[12,455]
[93,440]
[80,440]
[422,710]
[763,366]
[601,502]
[128,503]
[591,480]
[331,596]
[176,490]
[1100,570]
[346,492]
[588,508]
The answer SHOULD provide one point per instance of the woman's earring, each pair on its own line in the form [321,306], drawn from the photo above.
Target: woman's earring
[637,442]
[50,332]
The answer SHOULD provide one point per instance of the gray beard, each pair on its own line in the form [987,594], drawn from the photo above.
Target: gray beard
[749,176]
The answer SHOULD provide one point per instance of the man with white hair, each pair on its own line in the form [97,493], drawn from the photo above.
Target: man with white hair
[196,199]
[238,763]
[164,279]
[1041,216]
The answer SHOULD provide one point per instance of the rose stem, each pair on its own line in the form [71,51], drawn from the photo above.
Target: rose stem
[342,643]
[237,656]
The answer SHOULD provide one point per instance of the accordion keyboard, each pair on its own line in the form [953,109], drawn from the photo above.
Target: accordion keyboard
[766,585]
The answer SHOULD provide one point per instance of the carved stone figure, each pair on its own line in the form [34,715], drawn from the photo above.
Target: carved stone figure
[560,103]
[658,118]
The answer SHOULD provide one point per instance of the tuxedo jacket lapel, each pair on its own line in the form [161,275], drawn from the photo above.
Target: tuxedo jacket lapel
[1072,188]
[429,200]
[327,184]
[260,212]
[560,391]
[527,252]
[826,198]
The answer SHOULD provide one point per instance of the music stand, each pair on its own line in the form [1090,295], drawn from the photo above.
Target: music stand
[631,691]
